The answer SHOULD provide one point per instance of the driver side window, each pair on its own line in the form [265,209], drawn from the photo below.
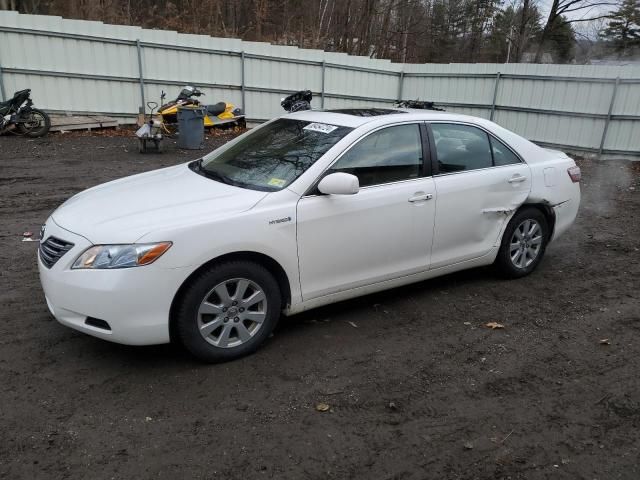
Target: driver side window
[388,155]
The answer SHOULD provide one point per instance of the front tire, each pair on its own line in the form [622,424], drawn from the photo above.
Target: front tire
[228,311]
[37,125]
[523,243]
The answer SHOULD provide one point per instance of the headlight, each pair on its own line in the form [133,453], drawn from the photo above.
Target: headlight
[121,256]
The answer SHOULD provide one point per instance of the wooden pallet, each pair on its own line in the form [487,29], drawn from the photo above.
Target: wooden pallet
[81,122]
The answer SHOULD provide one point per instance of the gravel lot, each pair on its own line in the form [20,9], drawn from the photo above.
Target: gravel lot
[418,387]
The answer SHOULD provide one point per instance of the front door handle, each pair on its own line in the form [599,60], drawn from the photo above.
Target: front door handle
[517,179]
[421,197]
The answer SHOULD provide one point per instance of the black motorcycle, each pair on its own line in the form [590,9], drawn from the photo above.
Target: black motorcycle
[18,116]
[298,101]
[417,104]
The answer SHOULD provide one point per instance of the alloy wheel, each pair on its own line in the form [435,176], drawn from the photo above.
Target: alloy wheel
[232,312]
[34,121]
[526,243]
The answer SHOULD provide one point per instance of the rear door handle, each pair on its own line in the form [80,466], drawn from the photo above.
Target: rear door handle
[517,179]
[421,197]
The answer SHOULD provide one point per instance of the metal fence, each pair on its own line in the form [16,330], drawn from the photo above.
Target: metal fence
[81,66]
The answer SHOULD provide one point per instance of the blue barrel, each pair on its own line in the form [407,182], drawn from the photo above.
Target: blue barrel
[191,127]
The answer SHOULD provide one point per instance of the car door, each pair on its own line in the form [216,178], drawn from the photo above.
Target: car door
[479,181]
[385,230]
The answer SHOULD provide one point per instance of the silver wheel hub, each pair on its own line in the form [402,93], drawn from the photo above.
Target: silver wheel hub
[34,121]
[526,243]
[232,312]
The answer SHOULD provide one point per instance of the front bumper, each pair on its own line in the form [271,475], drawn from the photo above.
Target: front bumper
[134,302]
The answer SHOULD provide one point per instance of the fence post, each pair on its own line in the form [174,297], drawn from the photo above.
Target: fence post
[243,83]
[141,73]
[3,95]
[324,68]
[606,122]
[495,96]
[400,85]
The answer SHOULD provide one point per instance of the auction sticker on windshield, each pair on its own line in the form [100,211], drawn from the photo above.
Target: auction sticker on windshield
[320,127]
[276,182]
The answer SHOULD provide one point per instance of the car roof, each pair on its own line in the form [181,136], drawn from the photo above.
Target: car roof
[356,117]
[528,150]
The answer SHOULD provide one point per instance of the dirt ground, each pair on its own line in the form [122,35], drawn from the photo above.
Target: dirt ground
[418,388]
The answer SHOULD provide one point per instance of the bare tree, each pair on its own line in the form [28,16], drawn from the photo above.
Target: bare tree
[589,9]
[400,30]
[525,15]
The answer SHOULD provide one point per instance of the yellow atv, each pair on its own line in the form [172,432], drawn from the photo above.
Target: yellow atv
[221,114]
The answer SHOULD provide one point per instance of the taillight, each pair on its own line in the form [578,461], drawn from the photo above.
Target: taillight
[575,173]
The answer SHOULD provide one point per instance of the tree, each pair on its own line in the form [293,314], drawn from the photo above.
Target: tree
[561,40]
[400,30]
[520,27]
[526,15]
[558,15]
[623,30]
[480,16]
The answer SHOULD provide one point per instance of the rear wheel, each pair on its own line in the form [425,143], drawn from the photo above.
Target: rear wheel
[228,311]
[523,243]
[35,123]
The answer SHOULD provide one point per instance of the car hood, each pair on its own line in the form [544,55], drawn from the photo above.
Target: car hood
[124,210]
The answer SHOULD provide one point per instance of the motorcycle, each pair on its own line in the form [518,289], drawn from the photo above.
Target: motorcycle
[18,116]
[418,105]
[219,114]
[297,102]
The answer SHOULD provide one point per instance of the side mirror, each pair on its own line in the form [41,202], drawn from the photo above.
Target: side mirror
[339,183]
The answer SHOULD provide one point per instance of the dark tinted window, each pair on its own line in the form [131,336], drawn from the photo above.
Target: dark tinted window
[388,155]
[501,154]
[272,156]
[461,147]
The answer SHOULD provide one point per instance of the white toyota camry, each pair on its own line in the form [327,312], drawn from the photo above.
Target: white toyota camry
[308,209]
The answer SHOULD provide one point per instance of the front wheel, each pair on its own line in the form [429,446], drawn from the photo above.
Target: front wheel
[35,124]
[228,311]
[170,129]
[523,243]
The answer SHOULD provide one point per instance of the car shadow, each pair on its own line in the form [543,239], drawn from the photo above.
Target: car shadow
[398,294]
[170,356]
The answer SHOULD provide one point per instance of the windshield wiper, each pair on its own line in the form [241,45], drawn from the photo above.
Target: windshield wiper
[196,166]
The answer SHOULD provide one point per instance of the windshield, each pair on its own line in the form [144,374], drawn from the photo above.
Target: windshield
[269,158]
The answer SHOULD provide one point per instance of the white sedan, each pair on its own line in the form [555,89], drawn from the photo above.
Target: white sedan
[308,209]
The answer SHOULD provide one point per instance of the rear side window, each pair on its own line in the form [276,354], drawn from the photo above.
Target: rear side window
[501,154]
[461,147]
[388,155]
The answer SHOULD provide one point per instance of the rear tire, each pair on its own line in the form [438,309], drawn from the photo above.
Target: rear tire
[523,243]
[228,311]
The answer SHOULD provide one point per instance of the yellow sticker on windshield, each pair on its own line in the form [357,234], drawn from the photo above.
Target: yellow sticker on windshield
[277,182]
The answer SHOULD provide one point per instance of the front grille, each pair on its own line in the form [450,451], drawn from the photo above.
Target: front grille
[52,249]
